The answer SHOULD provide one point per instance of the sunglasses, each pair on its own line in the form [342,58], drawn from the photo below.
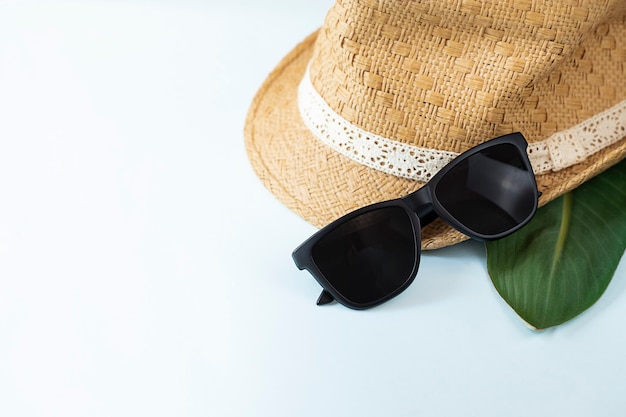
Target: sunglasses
[372,254]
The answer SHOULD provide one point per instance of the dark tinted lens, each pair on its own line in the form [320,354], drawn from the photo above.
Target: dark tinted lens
[490,192]
[369,256]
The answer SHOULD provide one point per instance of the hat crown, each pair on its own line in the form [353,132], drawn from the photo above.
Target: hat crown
[445,74]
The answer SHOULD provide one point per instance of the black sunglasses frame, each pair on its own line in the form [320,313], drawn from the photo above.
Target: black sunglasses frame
[303,257]
[422,207]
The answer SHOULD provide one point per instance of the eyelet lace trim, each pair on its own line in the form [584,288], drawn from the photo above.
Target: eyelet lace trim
[574,145]
[558,151]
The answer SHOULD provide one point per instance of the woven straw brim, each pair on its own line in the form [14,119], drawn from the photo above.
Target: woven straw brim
[321,185]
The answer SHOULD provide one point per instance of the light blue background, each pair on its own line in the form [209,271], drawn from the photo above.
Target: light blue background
[145,271]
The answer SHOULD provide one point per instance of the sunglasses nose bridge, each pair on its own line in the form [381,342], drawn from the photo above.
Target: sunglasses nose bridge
[421,202]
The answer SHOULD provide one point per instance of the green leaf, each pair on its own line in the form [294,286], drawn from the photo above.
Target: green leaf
[559,264]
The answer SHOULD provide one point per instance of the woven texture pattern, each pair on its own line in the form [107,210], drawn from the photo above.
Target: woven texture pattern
[560,150]
[450,74]
[444,75]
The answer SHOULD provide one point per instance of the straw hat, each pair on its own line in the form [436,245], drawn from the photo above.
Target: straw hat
[387,91]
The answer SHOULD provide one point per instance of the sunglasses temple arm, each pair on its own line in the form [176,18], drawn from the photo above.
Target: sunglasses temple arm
[421,202]
[325,298]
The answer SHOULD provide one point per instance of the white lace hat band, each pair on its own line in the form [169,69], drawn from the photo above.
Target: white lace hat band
[558,151]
